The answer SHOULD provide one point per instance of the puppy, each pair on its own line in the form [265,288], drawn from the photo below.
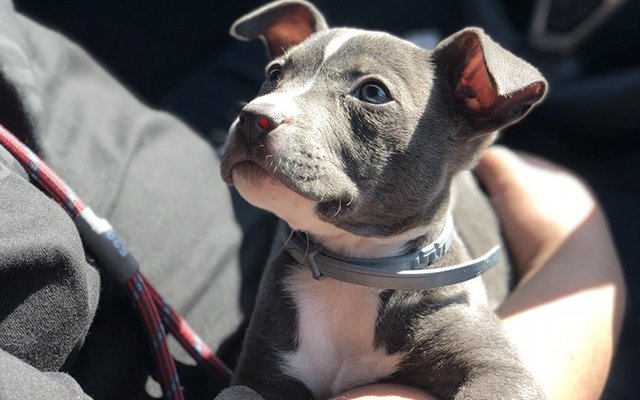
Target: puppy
[359,141]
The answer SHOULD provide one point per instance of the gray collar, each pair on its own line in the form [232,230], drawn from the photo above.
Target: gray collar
[408,272]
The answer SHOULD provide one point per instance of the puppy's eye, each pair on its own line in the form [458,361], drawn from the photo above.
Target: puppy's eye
[374,93]
[274,73]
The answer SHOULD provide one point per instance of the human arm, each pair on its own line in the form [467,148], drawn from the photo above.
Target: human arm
[44,286]
[564,317]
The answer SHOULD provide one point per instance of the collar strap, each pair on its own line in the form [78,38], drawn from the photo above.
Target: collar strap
[407,272]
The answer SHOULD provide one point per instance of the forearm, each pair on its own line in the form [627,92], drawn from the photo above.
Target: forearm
[565,320]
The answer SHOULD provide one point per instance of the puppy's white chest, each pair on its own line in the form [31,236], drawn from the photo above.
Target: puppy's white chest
[336,331]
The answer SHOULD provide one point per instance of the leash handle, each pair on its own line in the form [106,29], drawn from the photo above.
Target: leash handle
[112,254]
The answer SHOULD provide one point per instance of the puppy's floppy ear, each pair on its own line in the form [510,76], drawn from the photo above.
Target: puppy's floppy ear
[491,87]
[280,24]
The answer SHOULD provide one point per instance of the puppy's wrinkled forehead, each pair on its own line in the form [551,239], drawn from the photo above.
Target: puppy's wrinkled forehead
[344,55]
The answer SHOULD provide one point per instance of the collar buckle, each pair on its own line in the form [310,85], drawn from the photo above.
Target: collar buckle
[426,258]
[315,270]
[310,258]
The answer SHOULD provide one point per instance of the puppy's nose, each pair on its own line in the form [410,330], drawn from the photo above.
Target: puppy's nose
[254,125]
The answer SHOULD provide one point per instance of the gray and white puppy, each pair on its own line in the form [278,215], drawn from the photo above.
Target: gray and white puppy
[356,138]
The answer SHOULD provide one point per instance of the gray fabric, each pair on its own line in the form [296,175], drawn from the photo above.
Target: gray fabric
[19,103]
[159,185]
[238,393]
[49,292]
[8,165]
[22,381]
[483,226]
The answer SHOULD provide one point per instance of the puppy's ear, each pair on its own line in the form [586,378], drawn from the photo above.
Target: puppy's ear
[491,87]
[281,24]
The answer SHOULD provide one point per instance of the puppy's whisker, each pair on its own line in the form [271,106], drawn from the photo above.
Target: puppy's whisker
[339,208]
[321,190]
[350,201]
[306,250]
[281,249]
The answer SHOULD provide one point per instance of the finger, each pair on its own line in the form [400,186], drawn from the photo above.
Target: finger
[384,391]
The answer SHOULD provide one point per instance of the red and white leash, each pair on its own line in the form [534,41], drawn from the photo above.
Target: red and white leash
[111,253]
